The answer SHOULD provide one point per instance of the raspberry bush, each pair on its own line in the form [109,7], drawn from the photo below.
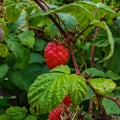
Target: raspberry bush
[59,60]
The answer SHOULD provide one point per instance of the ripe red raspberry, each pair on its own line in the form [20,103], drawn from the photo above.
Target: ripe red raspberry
[67,100]
[55,114]
[55,54]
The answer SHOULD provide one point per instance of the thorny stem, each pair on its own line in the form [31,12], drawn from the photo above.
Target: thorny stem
[52,18]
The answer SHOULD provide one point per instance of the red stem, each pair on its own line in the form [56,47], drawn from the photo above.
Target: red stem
[52,18]
[73,57]
[92,55]
[93,47]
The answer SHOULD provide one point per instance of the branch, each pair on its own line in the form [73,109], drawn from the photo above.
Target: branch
[52,18]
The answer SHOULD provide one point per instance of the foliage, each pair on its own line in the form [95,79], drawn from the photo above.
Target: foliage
[90,29]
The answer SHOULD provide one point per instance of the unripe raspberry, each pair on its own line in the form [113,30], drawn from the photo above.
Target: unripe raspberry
[55,54]
[55,114]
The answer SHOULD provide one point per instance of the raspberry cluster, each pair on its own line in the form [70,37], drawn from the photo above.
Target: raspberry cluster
[55,114]
[55,54]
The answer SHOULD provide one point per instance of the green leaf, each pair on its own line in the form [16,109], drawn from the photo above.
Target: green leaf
[16,113]
[104,26]
[3,70]
[39,45]
[21,24]
[102,85]
[31,117]
[3,117]
[110,106]
[3,50]
[95,72]
[114,61]
[50,89]
[110,74]
[77,88]
[61,69]
[35,57]
[23,79]
[21,53]
[84,11]
[13,10]
[69,21]
[27,38]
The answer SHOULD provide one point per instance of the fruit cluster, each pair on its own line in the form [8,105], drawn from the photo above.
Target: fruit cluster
[55,114]
[55,54]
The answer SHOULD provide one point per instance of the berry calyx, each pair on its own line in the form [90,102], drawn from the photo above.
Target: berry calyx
[55,54]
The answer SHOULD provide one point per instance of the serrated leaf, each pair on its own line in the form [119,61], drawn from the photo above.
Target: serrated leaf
[16,113]
[47,91]
[62,69]
[110,106]
[27,38]
[50,89]
[104,26]
[102,86]
[77,88]
[3,70]
[3,50]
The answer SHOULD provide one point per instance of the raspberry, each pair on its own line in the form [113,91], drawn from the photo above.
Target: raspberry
[55,54]
[55,114]
[67,100]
